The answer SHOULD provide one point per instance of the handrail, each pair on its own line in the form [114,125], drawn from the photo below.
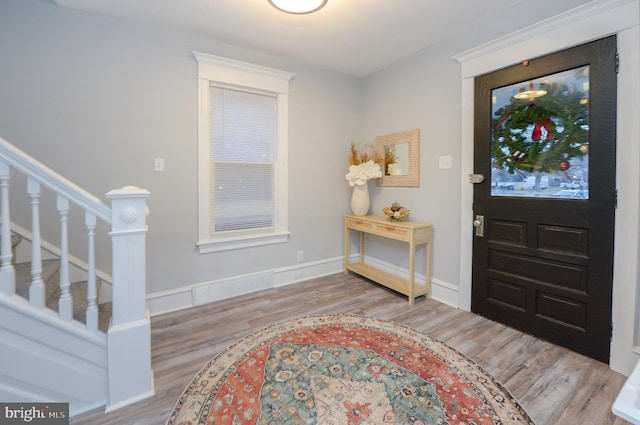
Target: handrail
[128,378]
[54,181]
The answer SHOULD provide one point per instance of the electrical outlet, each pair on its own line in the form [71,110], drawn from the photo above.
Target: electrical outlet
[300,255]
[445,162]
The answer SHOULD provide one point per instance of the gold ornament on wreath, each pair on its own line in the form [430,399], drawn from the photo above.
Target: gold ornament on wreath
[396,212]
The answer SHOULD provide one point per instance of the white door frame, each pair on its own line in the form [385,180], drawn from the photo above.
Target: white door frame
[590,22]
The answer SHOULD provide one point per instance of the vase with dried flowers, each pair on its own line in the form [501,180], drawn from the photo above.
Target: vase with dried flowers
[364,165]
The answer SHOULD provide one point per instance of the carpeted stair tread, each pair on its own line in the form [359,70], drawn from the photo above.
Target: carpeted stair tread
[104,316]
[80,312]
[78,291]
[50,277]
[15,240]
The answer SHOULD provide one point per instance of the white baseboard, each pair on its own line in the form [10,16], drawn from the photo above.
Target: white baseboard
[445,292]
[206,292]
[112,407]
[306,271]
[626,403]
[442,291]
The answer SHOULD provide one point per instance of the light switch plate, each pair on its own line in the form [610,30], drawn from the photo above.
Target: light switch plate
[158,164]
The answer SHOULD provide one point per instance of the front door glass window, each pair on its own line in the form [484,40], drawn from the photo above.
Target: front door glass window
[540,137]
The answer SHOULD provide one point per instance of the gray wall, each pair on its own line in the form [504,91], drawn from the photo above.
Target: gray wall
[423,92]
[97,99]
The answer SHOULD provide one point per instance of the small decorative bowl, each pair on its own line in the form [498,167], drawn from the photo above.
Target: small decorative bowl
[396,213]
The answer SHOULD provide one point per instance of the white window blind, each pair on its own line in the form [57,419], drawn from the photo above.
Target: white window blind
[243,160]
[243,142]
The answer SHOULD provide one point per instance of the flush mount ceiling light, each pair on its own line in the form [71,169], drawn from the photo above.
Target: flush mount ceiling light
[298,7]
[531,93]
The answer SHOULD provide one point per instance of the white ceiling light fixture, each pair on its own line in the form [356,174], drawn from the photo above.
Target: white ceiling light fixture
[531,93]
[298,7]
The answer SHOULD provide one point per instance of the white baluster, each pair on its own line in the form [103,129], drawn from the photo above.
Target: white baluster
[36,290]
[92,308]
[7,271]
[65,303]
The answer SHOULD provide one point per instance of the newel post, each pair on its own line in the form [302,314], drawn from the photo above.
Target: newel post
[129,336]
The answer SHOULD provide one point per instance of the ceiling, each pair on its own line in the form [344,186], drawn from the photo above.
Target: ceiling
[354,37]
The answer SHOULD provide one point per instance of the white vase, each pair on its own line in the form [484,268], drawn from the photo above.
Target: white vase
[360,201]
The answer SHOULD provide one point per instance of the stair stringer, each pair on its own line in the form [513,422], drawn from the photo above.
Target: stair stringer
[46,359]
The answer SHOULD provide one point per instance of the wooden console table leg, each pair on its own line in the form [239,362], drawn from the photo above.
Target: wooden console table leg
[362,247]
[412,255]
[428,265]
[346,249]
[414,233]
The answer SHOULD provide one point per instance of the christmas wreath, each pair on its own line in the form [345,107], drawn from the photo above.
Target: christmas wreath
[543,134]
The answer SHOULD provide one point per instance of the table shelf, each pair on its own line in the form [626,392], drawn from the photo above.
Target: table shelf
[391,281]
[413,233]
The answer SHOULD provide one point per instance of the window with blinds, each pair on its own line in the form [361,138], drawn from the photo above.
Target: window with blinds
[242,154]
[243,160]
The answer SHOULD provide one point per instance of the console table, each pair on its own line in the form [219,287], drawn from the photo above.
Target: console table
[412,232]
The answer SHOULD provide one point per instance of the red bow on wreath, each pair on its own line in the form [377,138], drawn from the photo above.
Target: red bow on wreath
[536,134]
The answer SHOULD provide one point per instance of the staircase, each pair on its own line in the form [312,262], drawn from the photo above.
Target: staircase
[59,340]
[51,279]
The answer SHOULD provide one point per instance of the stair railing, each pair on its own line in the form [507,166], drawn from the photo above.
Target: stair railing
[129,376]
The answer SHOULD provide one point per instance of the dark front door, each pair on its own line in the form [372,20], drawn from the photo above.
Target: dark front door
[543,244]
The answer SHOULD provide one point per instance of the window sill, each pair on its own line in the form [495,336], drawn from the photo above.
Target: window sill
[239,242]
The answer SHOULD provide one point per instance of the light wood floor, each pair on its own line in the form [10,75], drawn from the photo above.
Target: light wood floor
[553,384]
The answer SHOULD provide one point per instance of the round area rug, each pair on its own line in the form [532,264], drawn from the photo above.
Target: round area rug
[343,370]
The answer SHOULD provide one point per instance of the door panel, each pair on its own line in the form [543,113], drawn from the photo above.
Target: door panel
[544,264]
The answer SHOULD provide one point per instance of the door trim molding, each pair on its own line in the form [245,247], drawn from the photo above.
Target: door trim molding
[583,24]
[592,21]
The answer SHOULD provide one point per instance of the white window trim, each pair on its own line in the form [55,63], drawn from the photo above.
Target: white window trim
[245,76]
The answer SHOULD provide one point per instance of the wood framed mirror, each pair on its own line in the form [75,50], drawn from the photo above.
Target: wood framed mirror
[401,153]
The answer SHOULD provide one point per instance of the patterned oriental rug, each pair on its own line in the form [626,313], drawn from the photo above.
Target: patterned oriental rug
[343,370]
